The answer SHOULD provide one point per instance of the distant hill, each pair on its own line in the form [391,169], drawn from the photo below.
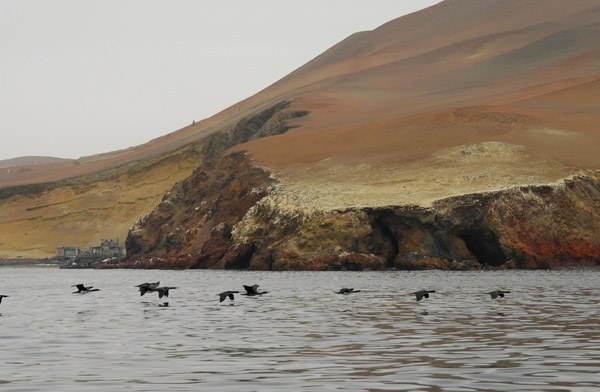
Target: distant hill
[27,161]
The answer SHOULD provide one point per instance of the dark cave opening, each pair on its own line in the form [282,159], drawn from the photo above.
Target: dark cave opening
[389,242]
[241,259]
[484,245]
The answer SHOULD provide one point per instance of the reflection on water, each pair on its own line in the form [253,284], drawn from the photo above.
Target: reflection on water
[301,336]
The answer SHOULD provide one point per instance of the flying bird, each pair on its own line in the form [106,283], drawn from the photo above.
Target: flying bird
[164,291]
[147,287]
[345,290]
[2,296]
[81,289]
[498,293]
[252,291]
[226,294]
[422,293]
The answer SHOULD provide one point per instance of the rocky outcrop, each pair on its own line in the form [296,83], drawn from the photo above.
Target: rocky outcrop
[236,216]
[196,216]
[525,227]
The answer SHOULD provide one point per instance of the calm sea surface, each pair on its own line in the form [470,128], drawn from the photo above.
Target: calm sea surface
[544,336]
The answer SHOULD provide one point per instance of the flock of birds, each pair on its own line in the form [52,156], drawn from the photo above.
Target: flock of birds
[250,291]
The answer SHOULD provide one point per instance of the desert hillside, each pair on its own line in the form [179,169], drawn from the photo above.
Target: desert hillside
[398,104]
[462,98]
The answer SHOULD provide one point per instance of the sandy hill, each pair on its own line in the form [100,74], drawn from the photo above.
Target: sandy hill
[465,96]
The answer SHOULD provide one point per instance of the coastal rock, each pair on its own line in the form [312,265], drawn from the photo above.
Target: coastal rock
[239,217]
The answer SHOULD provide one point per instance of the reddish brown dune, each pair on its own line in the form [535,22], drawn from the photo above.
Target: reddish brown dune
[506,71]
[456,54]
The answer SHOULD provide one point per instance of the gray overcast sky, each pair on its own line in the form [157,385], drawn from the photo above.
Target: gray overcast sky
[81,77]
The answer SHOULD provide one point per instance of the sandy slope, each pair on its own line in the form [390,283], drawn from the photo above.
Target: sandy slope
[524,75]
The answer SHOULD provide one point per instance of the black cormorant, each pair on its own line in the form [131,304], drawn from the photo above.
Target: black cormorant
[422,293]
[226,294]
[164,291]
[498,293]
[345,290]
[252,290]
[147,287]
[81,289]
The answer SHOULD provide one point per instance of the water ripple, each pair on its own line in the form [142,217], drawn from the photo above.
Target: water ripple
[300,336]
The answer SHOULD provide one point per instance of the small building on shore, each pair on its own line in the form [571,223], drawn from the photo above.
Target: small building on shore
[68,251]
[107,248]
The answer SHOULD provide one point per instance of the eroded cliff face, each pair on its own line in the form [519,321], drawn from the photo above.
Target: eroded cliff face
[236,215]
[524,227]
[197,215]
[192,224]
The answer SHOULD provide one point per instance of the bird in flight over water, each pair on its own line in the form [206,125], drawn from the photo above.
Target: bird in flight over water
[345,290]
[147,287]
[498,293]
[164,291]
[81,289]
[253,290]
[226,294]
[422,293]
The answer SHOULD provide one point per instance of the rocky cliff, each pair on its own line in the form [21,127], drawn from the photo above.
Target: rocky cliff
[239,219]
[197,215]
[523,227]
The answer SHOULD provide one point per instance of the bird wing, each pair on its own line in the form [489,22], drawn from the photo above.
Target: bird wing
[251,289]
[222,296]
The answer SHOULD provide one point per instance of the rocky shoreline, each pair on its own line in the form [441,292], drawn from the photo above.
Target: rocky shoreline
[28,262]
[234,217]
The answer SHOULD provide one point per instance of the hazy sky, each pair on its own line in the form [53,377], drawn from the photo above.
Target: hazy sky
[81,77]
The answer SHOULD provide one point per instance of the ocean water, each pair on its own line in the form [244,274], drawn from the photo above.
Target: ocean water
[544,336]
